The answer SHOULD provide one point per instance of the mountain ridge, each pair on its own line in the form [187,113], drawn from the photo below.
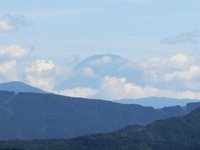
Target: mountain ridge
[46,116]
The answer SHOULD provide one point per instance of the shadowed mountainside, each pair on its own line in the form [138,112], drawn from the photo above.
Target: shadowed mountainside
[46,116]
[172,133]
[177,133]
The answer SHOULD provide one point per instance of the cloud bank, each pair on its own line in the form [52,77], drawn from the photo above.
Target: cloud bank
[115,77]
[176,77]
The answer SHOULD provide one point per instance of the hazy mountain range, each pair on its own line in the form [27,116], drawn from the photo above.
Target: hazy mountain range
[157,102]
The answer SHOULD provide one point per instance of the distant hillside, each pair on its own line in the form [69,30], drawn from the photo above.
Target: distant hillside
[170,134]
[157,102]
[46,116]
[177,133]
[17,86]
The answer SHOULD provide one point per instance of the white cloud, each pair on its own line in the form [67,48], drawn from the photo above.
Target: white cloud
[40,66]
[157,69]
[118,88]
[45,74]
[187,75]
[176,62]
[15,51]
[179,72]
[45,83]
[78,92]
[39,74]
[8,71]
[12,61]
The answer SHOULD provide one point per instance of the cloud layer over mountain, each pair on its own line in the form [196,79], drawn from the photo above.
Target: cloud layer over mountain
[106,76]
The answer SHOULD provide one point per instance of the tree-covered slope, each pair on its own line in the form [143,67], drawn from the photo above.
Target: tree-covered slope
[177,133]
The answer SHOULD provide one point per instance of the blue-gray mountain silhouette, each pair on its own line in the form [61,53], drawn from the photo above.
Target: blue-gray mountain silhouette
[157,102]
[101,65]
[50,116]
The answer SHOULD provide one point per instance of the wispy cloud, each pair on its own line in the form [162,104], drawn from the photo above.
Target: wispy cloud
[190,37]
[8,71]
[12,22]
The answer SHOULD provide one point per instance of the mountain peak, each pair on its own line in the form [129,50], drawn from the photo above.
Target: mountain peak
[102,59]
[18,86]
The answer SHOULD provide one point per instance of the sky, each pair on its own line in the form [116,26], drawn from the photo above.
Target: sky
[108,49]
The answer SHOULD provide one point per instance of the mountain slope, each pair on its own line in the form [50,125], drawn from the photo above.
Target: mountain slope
[17,86]
[45,116]
[172,133]
[177,133]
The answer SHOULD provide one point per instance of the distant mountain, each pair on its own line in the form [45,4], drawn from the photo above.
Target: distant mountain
[177,133]
[46,116]
[17,86]
[157,102]
[90,71]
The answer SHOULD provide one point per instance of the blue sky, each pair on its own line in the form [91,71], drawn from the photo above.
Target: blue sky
[46,39]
